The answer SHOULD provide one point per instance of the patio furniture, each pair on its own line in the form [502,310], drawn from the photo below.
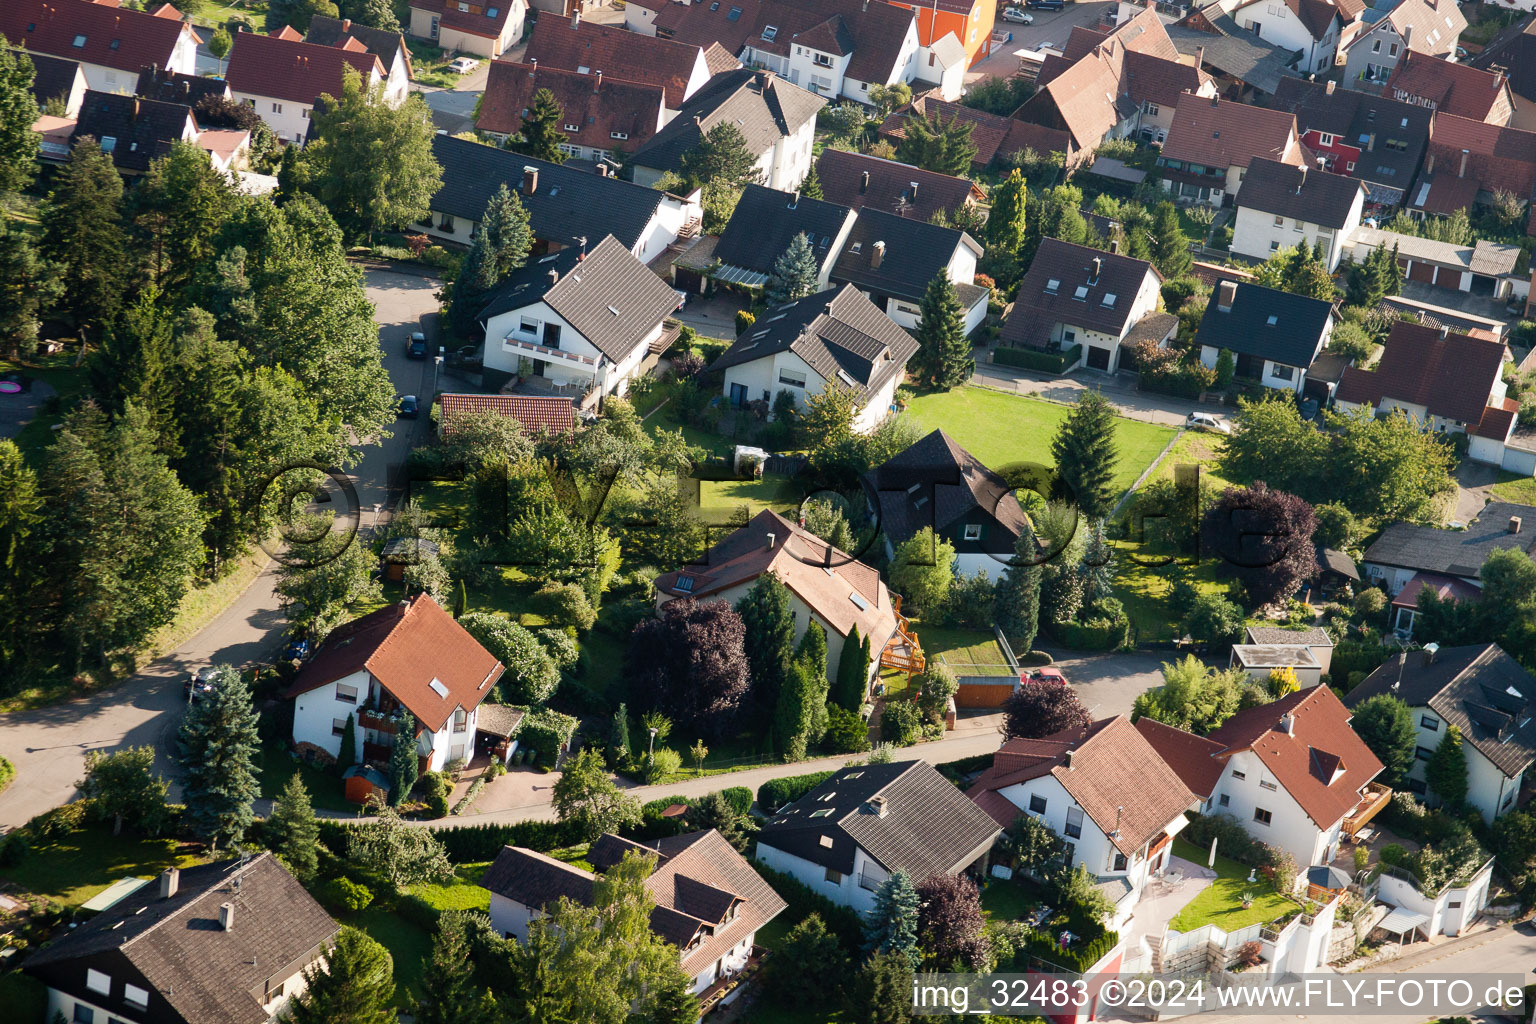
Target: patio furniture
[1040,916]
[1365,835]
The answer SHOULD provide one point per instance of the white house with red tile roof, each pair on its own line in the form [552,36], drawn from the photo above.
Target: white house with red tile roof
[485,28]
[110,43]
[1104,791]
[410,657]
[281,76]
[1292,772]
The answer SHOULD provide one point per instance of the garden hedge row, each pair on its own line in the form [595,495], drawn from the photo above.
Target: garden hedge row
[1034,359]
[469,844]
[803,902]
[1101,635]
[775,793]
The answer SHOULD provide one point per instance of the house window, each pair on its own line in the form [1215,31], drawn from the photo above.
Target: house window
[136,996]
[1453,904]
[1508,799]
[277,108]
[1423,753]
[821,60]
[1328,140]
[1262,816]
[793,379]
[618,135]
[98,981]
[571,128]
[1415,786]
[338,726]
[1074,827]
[1224,800]
[1429,722]
[84,1014]
[1152,110]
[346,694]
[1279,222]
[1037,804]
[528,325]
[1274,246]
[1376,46]
[460,720]
[1266,784]
[108,143]
[834,876]
[769,31]
[1280,371]
[973,531]
[1238,775]
[1118,864]
[79,42]
[115,43]
[1394,50]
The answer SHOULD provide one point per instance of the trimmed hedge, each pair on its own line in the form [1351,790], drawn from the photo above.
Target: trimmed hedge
[804,901]
[1044,946]
[1102,635]
[1034,359]
[469,844]
[775,793]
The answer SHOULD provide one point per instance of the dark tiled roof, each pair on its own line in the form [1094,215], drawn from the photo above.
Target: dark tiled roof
[1498,156]
[609,297]
[1232,51]
[1513,49]
[1454,552]
[382,44]
[890,186]
[648,60]
[198,972]
[928,826]
[600,108]
[1226,134]
[174,87]
[535,880]
[114,37]
[1266,323]
[1036,308]
[994,136]
[766,109]
[1479,689]
[766,220]
[536,413]
[955,481]
[567,204]
[1450,376]
[1458,89]
[1310,195]
[53,77]
[915,252]
[291,69]
[142,130]
[1374,124]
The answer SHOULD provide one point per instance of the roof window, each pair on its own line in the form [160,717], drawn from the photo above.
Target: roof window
[825,812]
[1272,321]
[853,775]
[858,601]
[108,143]
[1109,298]
[614,310]
[115,43]
[438,687]
[715,6]
[770,31]
[735,13]
[1052,286]
[857,247]
[1081,293]
[79,41]
[493,12]
[684,584]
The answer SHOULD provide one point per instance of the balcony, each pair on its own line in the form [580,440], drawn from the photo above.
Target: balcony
[1373,798]
[377,722]
[869,881]
[524,344]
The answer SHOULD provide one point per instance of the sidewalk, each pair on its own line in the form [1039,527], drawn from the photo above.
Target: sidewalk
[1132,404]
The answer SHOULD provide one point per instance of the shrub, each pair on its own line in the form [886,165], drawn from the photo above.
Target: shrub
[345,894]
[1094,635]
[803,902]
[565,604]
[1370,603]
[468,799]
[1232,838]
[1164,370]
[776,793]
[1393,854]
[901,722]
[546,731]
[1036,359]
[1248,954]
[436,794]
[739,797]
[846,732]
[665,761]
[744,319]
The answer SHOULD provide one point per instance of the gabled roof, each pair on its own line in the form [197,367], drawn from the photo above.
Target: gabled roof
[994,135]
[383,44]
[291,69]
[536,880]
[766,220]
[608,112]
[572,44]
[1428,28]
[1392,136]
[1498,157]
[1514,50]
[1221,133]
[1048,294]
[111,36]
[765,107]
[915,251]
[839,333]
[1232,51]
[1478,688]
[850,594]
[1319,735]
[567,203]
[485,18]
[859,181]
[1267,323]
[1286,190]
[1113,773]
[1458,89]
[174,87]
[408,647]
[1449,374]
[1454,552]
[927,826]
[53,77]
[537,413]
[937,469]
[141,130]
[1194,759]
[198,972]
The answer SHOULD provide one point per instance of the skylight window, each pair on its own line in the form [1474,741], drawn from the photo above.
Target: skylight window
[684,584]
[847,378]
[1081,293]
[858,601]
[1052,286]
[1272,321]
[114,44]
[1109,298]
[735,13]
[715,6]
[613,310]
[79,42]
[770,31]
[438,687]
[825,812]
[853,775]
[492,12]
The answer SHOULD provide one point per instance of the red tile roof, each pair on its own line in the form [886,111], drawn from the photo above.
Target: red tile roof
[113,37]
[1458,89]
[1193,758]
[994,135]
[600,106]
[407,647]
[1446,588]
[1319,727]
[649,60]
[476,21]
[1498,419]
[288,69]
[536,413]
[1450,376]
[857,180]
[1226,134]
[1498,157]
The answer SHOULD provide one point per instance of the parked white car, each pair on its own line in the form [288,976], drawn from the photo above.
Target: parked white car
[1206,421]
[463,65]
[1017,16]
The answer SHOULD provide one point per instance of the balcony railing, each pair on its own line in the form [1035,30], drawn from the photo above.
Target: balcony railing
[377,722]
[520,342]
[869,881]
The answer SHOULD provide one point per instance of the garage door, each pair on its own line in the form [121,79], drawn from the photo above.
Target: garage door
[1445,277]
[1422,272]
[1098,358]
[983,695]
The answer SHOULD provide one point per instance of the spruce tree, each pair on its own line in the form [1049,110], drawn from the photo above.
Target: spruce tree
[28,285]
[541,132]
[508,231]
[18,113]
[1016,599]
[218,746]
[1170,246]
[449,992]
[292,831]
[1446,771]
[813,654]
[884,992]
[943,351]
[136,363]
[83,234]
[403,763]
[353,984]
[892,925]
[794,272]
[174,212]
[1005,222]
[811,186]
[1086,454]
[852,674]
[770,637]
[935,144]
[618,734]
[477,276]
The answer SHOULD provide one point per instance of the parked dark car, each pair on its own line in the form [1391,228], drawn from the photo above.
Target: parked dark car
[197,684]
[409,407]
[1045,5]
[416,348]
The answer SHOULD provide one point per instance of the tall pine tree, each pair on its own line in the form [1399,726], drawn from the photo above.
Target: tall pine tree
[218,747]
[137,364]
[292,831]
[83,234]
[852,673]
[175,211]
[508,230]
[892,925]
[1086,454]
[28,285]
[541,132]
[943,358]
[794,273]
[1170,246]
[770,637]
[792,718]
[811,186]
[1016,600]
[403,763]
[18,113]
[449,994]
[813,654]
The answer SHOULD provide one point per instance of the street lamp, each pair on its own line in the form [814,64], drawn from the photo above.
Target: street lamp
[651,753]
[437,363]
[376,506]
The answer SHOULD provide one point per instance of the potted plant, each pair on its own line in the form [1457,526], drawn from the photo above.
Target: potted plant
[1247,898]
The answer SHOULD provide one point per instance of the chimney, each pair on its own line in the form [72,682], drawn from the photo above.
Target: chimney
[1463,172]
[1429,164]
[1514,524]
[597,80]
[1066,760]
[698,122]
[576,18]
[1430,650]
[1328,89]
[227,917]
[1199,57]
[530,180]
[533,63]
[1215,101]
[877,256]
[1302,179]
[1224,296]
[1407,37]
[602,170]
[170,881]
[554,276]
[913,186]
[1114,246]
[346,24]
[878,805]
[1288,723]
[863,182]
[1098,265]
[1370,143]
[1322,163]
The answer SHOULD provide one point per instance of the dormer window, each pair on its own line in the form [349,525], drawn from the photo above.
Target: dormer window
[571,128]
[770,31]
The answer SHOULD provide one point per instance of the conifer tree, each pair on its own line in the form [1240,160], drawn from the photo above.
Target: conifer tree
[813,654]
[403,763]
[943,351]
[1446,771]
[1016,600]
[83,234]
[218,747]
[852,673]
[770,637]
[892,925]
[292,831]
[1170,246]
[28,286]
[137,364]
[1005,222]
[935,144]
[353,984]
[1086,454]
[449,992]
[508,230]
[18,113]
[541,131]
[811,186]
[794,272]
[792,717]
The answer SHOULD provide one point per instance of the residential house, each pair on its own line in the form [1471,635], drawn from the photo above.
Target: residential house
[893,259]
[1246,67]
[762,227]
[1469,160]
[828,586]
[565,204]
[1313,27]
[110,43]
[679,69]
[604,116]
[1282,206]
[175,87]
[858,181]
[220,943]
[282,77]
[844,838]
[409,659]
[134,131]
[969,21]
[1077,297]
[1317,641]
[710,904]
[839,49]
[1430,28]
[1360,135]
[939,485]
[389,47]
[1104,791]
[1490,266]
[582,321]
[58,79]
[1512,51]
[996,138]
[1450,88]
[640,16]
[1486,695]
[826,338]
[536,414]
[777,119]
[1212,143]
[1446,382]
[1275,336]
[1292,771]
[483,28]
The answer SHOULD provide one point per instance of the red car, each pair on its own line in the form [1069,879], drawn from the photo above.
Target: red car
[1043,675]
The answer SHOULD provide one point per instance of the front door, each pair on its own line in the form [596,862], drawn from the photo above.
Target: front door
[539,366]
[738,395]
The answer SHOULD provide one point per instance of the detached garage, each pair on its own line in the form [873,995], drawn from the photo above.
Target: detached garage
[1486,268]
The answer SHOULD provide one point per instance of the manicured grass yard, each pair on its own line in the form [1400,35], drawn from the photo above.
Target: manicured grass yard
[1516,488]
[1008,900]
[1220,903]
[1144,592]
[72,868]
[969,652]
[1001,429]
[719,498]
[463,893]
[1194,448]
[325,789]
[409,945]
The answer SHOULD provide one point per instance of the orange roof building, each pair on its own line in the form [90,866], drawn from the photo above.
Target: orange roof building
[969,21]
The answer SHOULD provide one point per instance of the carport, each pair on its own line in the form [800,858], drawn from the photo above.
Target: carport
[1402,922]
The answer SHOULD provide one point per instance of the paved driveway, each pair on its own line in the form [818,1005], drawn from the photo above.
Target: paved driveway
[1109,684]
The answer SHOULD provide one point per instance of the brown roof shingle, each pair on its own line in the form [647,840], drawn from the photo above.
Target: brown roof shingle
[1458,89]
[537,413]
[1221,133]
[608,112]
[994,136]
[1498,157]
[856,180]
[1451,376]
[291,69]
[1286,190]
[618,54]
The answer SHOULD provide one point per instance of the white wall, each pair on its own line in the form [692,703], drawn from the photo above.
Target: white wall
[500,354]
[1289,829]
[1210,354]
[762,375]
[1378,50]
[640,20]
[1488,788]
[1277,24]
[316,711]
[1255,233]
[1444,919]
[510,918]
[845,892]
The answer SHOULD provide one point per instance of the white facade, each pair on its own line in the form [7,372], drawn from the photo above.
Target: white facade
[855,891]
[1108,346]
[1277,375]
[288,119]
[1488,789]
[1273,21]
[961,269]
[1251,794]
[542,336]
[762,379]
[183,59]
[942,71]
[425,25]
[320,715]
[64,1006]
[640,19]
[672,214]
[1260,235]
[1420,413]
[1451,911]
[826,74]
[1374,53]
[782,166]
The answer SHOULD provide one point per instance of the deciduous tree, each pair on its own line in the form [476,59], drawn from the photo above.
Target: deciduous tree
[1193,697]
[1264,538]
[123,787]
[721,165]
[587,796]
[922,569]
[217,746]
[690,664]
[1039,708]
[401,854]
[531,676]
[949,924]
[325,579]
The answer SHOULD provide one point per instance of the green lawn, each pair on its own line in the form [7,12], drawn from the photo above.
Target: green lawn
[1516,488]
[1194,448]
[445,503]
[1008,900]
[325,789]
[972,652]
[72,868]
[1220,903]
[25,998]
[1144,591]
[409,945]
[719,498]
[1001,429]
[463,893]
